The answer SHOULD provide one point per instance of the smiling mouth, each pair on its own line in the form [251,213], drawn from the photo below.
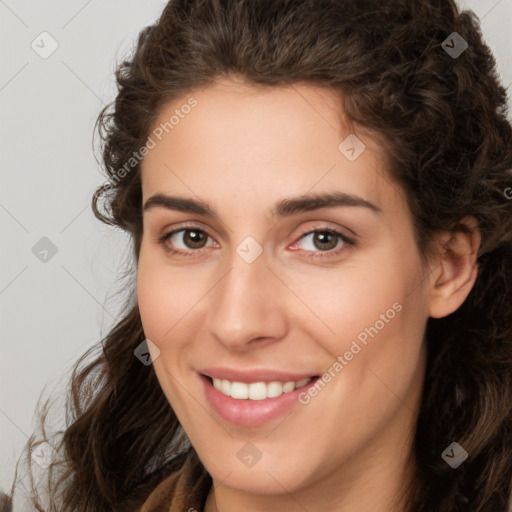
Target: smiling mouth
[257,390]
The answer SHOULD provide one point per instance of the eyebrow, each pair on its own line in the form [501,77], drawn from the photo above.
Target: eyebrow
[284,208]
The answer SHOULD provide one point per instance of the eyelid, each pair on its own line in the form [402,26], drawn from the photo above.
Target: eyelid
[188,225]
[351,241]
[348,242]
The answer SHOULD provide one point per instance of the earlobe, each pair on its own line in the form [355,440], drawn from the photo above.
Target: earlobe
[455,271]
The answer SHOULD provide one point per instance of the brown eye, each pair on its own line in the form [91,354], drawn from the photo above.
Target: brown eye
[325,240]
[321,240]
[194,238]
[185,239]
[322,243]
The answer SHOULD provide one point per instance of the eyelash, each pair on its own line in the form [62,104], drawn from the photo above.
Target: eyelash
[313,254]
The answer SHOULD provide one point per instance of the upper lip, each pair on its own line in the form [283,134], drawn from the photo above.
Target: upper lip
[249,375]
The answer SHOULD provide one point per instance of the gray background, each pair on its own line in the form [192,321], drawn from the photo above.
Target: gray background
[52,311]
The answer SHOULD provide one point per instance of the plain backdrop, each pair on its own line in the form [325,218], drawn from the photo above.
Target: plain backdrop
[60,266]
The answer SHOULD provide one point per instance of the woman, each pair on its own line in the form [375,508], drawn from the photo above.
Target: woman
[317,195]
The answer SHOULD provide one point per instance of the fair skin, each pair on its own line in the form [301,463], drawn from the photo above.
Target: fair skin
[242,150]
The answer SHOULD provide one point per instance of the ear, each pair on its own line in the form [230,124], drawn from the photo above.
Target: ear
[454,270]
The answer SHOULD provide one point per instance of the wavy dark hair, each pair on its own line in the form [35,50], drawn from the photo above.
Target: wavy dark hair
[443,122]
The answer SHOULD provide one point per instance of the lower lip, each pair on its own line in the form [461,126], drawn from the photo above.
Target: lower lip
[249,413]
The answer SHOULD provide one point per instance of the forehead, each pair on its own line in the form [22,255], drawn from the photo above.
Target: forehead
[262,141]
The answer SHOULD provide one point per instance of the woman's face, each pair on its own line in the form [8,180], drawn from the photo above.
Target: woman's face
[263,290]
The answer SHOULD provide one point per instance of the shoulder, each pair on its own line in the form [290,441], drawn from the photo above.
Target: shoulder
[185,489]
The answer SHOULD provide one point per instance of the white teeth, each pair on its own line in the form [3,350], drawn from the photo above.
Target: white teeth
[288,386]
[302,382]
[239,390]
[274,389]
[225,387]
[256,390]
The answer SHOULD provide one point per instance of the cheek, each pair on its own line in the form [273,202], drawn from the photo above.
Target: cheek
[155,297]
[349,300]
[169,300]
[375,315]
[160,310]
[147,292]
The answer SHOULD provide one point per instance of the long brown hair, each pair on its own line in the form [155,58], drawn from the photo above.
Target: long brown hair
[443,121]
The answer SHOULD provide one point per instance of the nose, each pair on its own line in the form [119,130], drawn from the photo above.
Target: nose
[248,306]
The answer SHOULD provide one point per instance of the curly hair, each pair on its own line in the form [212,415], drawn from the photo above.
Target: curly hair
[443,122]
